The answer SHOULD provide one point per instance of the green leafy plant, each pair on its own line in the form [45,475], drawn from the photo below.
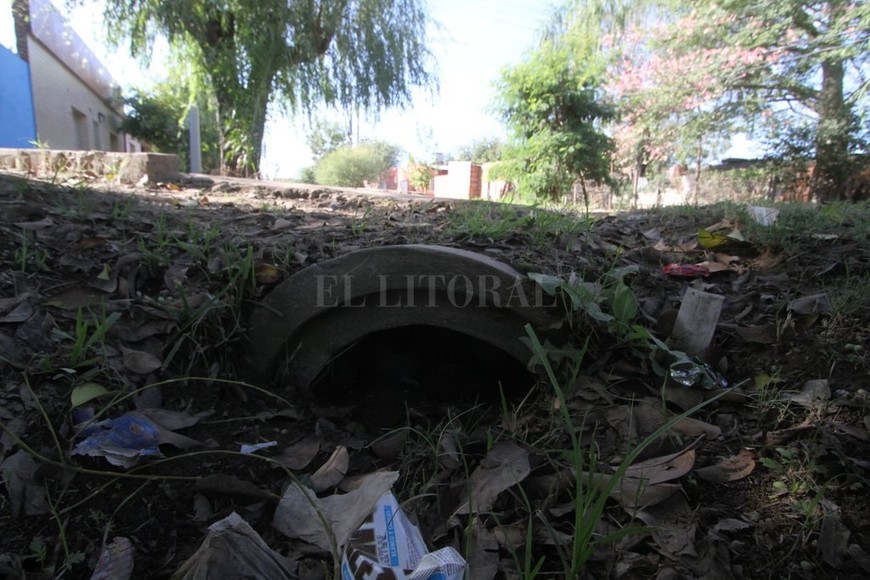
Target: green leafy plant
[551,104]
[355,166]
[796,472]
[159,116]
[29,254]
[90,333]
[610,306]
[419,175]
[590,498]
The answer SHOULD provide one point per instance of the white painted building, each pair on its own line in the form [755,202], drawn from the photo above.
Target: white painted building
[76,102]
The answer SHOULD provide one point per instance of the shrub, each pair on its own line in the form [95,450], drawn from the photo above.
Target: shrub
[354,166]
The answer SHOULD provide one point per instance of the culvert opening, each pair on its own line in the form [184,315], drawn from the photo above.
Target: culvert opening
[421,370]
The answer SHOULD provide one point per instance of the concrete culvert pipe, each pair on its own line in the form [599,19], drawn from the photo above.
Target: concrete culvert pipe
[401,322]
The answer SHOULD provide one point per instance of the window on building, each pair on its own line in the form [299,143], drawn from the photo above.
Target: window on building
[114,142]
[98,142]
[81,126]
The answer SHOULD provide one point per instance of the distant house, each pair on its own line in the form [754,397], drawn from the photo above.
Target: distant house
[462,180]
[76,103]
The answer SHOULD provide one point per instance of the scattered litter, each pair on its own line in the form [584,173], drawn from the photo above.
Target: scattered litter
[711,240]
[249,449]
[122,441]
[685,270]
[765,216]
[388,545]
[697,373]
[696,321]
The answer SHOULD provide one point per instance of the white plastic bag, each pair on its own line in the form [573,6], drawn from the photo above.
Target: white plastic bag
[388,545]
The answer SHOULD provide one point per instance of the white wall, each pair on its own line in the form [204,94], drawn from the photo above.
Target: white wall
[56,94]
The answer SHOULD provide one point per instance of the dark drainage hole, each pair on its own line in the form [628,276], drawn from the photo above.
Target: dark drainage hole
[420,368]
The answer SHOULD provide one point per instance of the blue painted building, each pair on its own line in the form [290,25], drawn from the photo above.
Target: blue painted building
[17,121]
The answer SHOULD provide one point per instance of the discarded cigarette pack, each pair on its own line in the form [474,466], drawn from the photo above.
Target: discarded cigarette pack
[389,546]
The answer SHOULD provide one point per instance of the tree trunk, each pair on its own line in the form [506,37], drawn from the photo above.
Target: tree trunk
[698,159]
[242,92]
[243,121]
[833,134]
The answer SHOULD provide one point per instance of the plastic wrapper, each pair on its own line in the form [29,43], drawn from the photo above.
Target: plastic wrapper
[389,546]
[697,373]
[121,441]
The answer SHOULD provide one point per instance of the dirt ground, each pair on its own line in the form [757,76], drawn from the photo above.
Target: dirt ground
[117,299]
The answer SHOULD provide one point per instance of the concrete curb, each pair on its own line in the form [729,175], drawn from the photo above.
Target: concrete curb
[324,309]
[129,168]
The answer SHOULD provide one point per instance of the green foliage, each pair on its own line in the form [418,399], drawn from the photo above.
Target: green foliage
[419,174]
[551,105]
[325,137]
[354,166]
[253,53]
[307,175]
[160,117]
[484,150]
[787,72]
[590,498]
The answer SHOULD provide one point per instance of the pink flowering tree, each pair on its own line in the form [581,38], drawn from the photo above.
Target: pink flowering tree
[793,67]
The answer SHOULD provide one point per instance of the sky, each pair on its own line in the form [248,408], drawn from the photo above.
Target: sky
[476,39]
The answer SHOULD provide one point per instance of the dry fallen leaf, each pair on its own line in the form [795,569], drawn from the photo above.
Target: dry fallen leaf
[482,556]
[673,526]
[696,427]
[266,273]
[139,361]
[332,472]
[780,436]
[300,454]
[634,493]
[505,465]
[301,514]
[172,420]
[813,394]
[731,469]
[26,496]
[233,549]
[666,468]
[834,535]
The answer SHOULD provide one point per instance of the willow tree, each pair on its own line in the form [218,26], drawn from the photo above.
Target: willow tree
[366,54]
